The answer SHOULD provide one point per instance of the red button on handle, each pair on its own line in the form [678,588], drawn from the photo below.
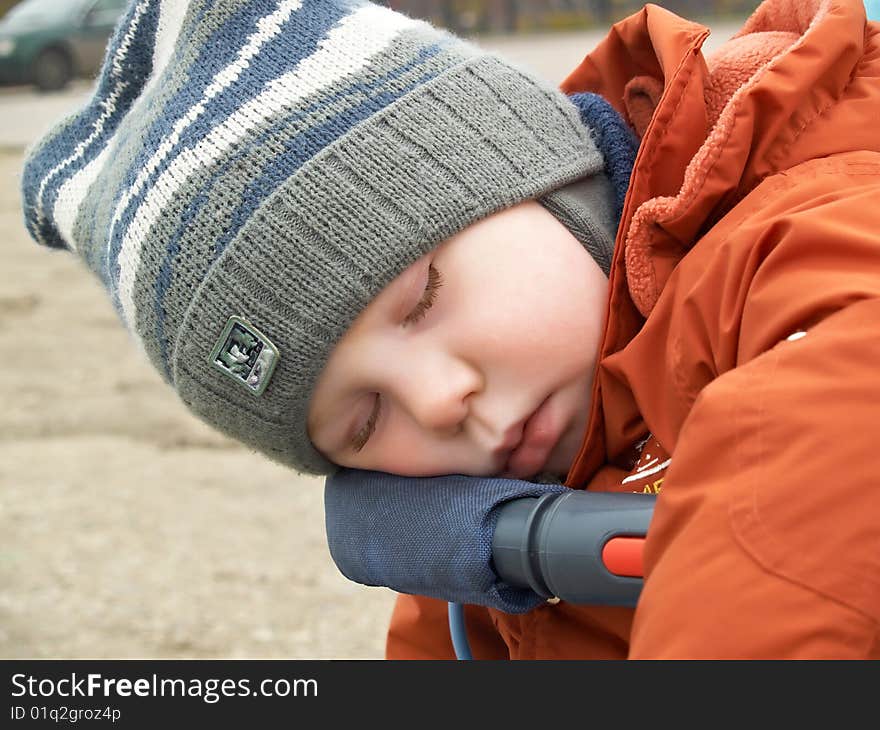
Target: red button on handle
[623,556]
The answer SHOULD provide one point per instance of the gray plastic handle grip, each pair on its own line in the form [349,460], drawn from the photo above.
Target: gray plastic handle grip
[553,544]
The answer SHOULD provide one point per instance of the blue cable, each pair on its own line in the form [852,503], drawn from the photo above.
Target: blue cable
[458,631]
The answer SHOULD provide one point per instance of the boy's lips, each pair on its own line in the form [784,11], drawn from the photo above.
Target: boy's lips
[539,436]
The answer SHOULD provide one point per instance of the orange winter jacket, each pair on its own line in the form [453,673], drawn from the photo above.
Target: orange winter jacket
[740,364]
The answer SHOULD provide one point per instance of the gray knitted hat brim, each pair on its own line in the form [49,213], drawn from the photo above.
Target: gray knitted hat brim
[586,208]
[440,158]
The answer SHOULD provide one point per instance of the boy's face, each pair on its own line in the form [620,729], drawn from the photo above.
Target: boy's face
[478,359]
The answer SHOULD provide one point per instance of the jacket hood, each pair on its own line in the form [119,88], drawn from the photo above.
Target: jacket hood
[713,127]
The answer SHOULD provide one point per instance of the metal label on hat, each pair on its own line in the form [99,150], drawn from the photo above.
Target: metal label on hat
[245,354]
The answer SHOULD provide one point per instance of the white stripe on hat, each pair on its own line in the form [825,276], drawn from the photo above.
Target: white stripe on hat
[109,106]
[268,27]
[347,48]
[73,192]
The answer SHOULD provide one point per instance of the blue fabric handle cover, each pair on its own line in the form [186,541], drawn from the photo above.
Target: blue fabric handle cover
[429,536]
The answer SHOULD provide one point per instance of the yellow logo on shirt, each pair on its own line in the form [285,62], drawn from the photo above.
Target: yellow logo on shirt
[653,488]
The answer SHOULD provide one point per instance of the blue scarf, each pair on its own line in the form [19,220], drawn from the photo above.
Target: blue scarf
[613,136]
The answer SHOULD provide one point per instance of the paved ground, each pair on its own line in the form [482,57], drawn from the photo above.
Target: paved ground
[128,528]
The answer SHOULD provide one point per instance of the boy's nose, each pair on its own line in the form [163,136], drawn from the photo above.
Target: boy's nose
[437,391]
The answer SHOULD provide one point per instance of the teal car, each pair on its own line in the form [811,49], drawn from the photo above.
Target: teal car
[49,42]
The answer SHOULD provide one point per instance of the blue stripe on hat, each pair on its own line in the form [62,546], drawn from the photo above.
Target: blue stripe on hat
[298,150]
[183,40]
[302,147]
[221,49]
[131,63]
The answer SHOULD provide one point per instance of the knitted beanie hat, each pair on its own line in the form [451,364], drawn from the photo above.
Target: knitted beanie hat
[250,174]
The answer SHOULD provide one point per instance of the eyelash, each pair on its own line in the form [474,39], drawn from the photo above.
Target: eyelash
[435,281]
[360,440]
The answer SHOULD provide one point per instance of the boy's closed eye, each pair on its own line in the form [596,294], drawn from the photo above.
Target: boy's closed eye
[429,294]
[435,281]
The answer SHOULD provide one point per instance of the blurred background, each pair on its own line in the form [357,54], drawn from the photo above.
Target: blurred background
[130,529]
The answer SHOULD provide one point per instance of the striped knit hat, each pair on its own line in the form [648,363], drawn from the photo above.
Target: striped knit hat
[250,174]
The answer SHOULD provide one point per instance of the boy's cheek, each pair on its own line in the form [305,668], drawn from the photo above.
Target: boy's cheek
[409,455]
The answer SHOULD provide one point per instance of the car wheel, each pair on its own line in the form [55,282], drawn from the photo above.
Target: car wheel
[52,70]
